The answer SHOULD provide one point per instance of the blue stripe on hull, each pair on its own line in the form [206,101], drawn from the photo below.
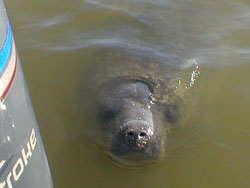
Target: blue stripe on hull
[6,50]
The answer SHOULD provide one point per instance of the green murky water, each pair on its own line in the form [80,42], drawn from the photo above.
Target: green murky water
[57,40]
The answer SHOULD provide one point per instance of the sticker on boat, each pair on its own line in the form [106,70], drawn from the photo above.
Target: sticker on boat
[8,61]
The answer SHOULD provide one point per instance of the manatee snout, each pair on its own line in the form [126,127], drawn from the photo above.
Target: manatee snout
[137,139]
[137,134]
[136,125]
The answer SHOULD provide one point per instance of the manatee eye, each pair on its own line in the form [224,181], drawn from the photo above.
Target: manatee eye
[130,133]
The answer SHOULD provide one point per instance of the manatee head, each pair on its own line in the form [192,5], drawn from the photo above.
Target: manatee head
[135,132]
[137,127]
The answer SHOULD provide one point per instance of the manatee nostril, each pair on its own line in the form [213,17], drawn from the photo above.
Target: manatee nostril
[130,134]
[130,137]
[143,134]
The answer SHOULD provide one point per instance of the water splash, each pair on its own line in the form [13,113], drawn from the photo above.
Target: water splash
[195,74]
[189,83]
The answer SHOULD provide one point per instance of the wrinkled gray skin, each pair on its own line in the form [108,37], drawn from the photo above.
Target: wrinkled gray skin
[138,127]
[136,104]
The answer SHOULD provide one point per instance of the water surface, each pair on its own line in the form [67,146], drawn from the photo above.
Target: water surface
[58,40]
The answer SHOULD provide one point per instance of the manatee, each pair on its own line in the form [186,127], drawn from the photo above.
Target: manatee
[136,100]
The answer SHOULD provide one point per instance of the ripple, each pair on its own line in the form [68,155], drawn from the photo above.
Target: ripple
[126,11]
[49,22]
